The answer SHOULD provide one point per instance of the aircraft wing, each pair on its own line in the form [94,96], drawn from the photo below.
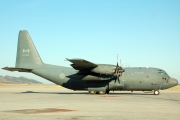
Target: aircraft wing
[80,64]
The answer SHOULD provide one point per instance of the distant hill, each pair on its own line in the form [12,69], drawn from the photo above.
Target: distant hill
[17,80]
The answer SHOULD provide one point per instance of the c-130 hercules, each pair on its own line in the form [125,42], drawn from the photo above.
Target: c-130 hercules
[85,75]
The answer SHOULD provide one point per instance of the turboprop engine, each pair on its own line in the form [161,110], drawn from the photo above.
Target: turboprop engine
[108,69]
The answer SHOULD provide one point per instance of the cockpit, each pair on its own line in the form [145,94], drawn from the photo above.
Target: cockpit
[166,79]
[164,75]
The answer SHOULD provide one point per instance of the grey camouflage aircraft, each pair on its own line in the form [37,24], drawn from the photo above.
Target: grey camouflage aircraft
[88,76]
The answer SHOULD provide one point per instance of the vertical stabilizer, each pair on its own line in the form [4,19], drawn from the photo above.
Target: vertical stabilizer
[27,55]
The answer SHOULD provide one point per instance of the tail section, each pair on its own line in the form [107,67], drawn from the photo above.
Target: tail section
[27,55]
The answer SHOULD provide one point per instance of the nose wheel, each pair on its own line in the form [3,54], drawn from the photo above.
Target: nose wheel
[156,92]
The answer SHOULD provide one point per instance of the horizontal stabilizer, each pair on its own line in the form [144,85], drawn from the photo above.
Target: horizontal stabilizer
[17,69]
[80,64]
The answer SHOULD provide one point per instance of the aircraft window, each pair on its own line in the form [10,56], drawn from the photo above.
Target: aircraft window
[160,73]
[163,78]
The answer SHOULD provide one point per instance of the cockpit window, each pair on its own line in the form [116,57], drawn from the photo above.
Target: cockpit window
[160,72]
[163,73]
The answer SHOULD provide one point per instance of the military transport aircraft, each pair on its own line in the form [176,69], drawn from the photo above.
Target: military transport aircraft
[85,75]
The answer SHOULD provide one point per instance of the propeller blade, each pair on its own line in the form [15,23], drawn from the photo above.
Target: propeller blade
[118,69]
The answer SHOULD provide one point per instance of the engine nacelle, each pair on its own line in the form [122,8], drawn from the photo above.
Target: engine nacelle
[106,69]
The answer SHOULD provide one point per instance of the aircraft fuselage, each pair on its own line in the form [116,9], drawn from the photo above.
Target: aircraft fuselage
[133,79]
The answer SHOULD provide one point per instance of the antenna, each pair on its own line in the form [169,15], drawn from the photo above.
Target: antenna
[117,59]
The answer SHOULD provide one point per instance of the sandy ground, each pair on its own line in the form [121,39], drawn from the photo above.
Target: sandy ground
[51,102]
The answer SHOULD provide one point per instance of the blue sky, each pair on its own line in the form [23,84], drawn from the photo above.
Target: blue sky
[141,32]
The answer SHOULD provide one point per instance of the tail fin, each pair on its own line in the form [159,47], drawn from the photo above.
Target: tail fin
[27,55]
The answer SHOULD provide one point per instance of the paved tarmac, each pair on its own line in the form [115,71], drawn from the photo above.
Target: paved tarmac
[47,102]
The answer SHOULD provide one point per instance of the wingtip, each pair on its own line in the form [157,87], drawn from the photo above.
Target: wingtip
[66,59]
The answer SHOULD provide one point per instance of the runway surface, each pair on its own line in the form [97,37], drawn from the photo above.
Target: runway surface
[50,102]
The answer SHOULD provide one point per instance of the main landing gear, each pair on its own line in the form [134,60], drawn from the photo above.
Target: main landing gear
[99,92]
[92,92]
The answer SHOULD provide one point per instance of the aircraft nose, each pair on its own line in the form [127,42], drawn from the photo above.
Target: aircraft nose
[172,82]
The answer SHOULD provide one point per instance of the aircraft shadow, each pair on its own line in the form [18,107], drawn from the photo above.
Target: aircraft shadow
[86,93]
[131,93]
[32,92]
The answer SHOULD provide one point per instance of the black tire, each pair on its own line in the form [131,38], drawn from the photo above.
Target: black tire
[156,92]
[101,92]
[92,92]
[107,91]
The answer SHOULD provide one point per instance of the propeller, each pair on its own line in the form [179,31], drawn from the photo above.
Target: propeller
[118,70]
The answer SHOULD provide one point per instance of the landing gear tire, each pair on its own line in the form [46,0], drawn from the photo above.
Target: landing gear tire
[101,92]
[92,92]
[156,92]
[107,91]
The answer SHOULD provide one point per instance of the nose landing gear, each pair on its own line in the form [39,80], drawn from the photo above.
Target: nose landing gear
[156,92]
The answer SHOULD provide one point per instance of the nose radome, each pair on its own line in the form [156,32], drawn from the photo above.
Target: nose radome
[173,82]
